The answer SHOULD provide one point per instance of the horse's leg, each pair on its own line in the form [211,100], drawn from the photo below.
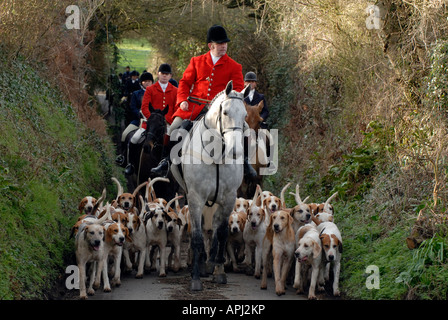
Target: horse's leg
[197,246]
[221,226]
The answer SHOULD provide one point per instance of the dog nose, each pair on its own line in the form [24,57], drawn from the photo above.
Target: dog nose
[274,207]
[234,229]
[97,242]
[121,239]
[130,230]
[276,227]
[170,228]
[308,216]
[297,255]
[331,257]
[160,225]
[253,224]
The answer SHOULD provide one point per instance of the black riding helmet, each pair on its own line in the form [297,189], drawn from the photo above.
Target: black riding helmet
[217,34]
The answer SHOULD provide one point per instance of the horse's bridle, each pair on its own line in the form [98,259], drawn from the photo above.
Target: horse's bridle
[150,134]
[219,120]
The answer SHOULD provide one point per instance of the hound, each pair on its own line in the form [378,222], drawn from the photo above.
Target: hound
[86,205]
[125,200]
[301,213]
[308,255]
[185,229]
[89,244]
[137,232]
[154,219]
[269,202]
[116,234]
[89,205]
[324,211]
[241,205]
[235,241]
[253,234]
[332,245]
[173,226]
[324,207]
[280,237]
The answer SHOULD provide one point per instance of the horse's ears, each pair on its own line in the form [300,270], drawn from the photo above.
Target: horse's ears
[229,87]
[165,111]
[151,109]
[246,91]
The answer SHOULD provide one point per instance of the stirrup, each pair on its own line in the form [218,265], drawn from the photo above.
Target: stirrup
[120,160]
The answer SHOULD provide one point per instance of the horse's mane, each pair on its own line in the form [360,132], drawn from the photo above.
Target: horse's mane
[218,95]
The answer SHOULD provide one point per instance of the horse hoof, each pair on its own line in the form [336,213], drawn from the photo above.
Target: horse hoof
[196,285]
[220,278]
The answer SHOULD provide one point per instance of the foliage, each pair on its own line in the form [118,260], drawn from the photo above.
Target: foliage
[427,274]
[48,162]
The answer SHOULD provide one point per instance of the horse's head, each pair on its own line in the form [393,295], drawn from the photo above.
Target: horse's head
[253,118]
[228,113]
[156,126]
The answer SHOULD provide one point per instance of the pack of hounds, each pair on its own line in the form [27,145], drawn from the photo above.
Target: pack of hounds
[265,238]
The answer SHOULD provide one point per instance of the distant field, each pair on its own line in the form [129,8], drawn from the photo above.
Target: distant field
[134,53]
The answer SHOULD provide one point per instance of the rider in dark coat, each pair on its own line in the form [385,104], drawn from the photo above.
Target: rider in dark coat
[255,97]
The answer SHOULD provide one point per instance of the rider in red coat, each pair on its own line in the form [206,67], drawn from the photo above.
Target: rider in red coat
[208,79]
[205,76]
[161,94]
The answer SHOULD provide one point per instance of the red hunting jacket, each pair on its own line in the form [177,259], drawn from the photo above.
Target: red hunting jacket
[159,100]
[207,80]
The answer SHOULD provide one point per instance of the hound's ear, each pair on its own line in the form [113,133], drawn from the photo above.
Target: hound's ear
[179,222]
[316,249]
[86,229]
[271,219]
[246,93]
[128,238]
[290,220]
[167,216]
[291,213]
[229,87]
[81,206]
[340,247]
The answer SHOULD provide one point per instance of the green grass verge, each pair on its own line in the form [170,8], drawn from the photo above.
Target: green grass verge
[48,162]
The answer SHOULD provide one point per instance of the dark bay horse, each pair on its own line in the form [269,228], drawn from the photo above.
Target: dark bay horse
[148,155]
[253,119]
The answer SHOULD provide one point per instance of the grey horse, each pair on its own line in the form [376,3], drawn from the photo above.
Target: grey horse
[212,163]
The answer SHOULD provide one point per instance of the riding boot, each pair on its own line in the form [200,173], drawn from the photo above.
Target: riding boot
[164,164]
[129,170]
[249,171]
